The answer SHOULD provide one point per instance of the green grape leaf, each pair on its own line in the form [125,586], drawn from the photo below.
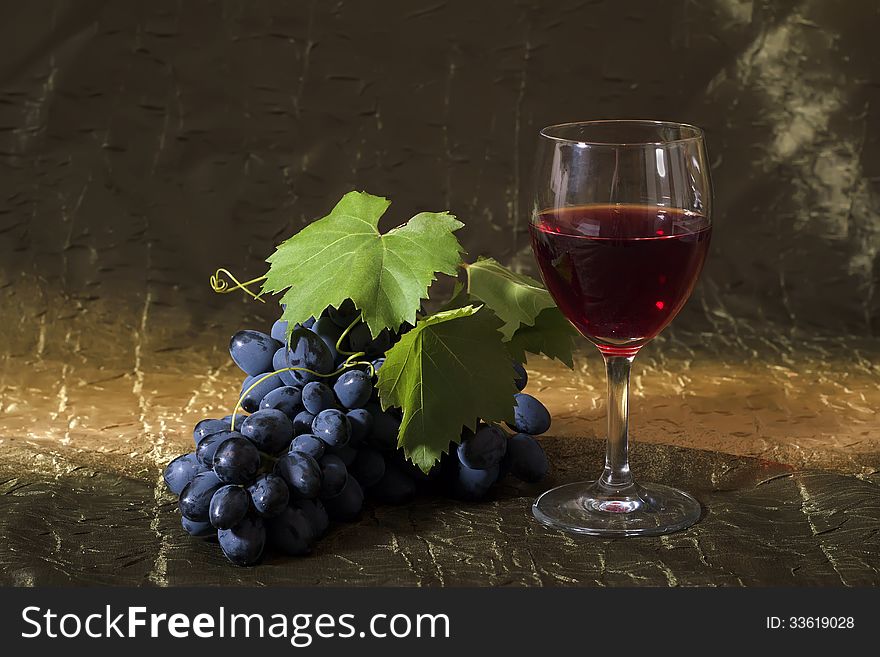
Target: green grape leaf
[515,298]
[551,335]
[447,372]
[344,256]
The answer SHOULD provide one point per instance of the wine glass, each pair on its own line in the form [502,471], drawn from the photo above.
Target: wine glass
[620,229]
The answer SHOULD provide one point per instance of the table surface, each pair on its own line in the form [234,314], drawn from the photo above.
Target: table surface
[764,524]
[780,446]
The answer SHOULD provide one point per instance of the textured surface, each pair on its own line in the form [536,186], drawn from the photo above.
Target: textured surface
[144,145]
[765,525]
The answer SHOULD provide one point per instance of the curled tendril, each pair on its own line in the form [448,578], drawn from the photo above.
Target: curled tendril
[221,285]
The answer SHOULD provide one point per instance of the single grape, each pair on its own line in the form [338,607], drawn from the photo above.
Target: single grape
[309,323]
[229,506]
[195,498]
[471,484]
[317,397]
[302,423]
[334,474]
[310,444]
[325,329]
[385,428]
[270,495]
[243,545]
[395,486]
[181,471]
[236,460]
[316,513]
[368,467]
[302,473]
[287,399]
[347,453]
[239,420]
[206,427]
[377,365]
[292,531]
[484,449]
[361,422]
[527,458]
[250,400]
[279,331]
[344,315]
[208,446]
[198,529]
[309,351]
[348,503]
[522,377]
[353,388]
[361,339]
[529,415]
[269,429]
[332,427]
[279,362]
[252,351]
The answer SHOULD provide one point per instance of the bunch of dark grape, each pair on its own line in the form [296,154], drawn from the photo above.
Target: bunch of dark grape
[315,440]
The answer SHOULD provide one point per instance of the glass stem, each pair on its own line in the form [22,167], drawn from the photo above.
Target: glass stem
[616,474]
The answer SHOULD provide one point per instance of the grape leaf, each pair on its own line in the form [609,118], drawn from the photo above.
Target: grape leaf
[344,256]
[552,335]
[515,298]
[532,322]
[447,372]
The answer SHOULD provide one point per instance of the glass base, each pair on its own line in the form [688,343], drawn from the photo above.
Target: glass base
[589,507]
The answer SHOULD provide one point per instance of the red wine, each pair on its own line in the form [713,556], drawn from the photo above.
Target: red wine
[620,273]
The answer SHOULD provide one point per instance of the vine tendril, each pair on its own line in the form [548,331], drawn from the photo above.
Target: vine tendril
[221,285]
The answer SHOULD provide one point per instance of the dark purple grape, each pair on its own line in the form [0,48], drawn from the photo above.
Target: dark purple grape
[198,529]
[361,422]
[529,415]
[332,427]
[302,473]
[302,423]
[317,396]
[334,474]
[269,429]
[308,444]
[269,494]
[206,427]
[252,351]
[292,531]
[348,503]
[526,458]
[316,513]
[353,388]
[236,460]
[195,498]
[473,485]
[287,399]
[181,471]
[243,545]
[484,449]
[229,506]
[208,446]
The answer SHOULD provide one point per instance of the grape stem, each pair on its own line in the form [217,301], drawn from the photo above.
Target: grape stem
[221,286]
